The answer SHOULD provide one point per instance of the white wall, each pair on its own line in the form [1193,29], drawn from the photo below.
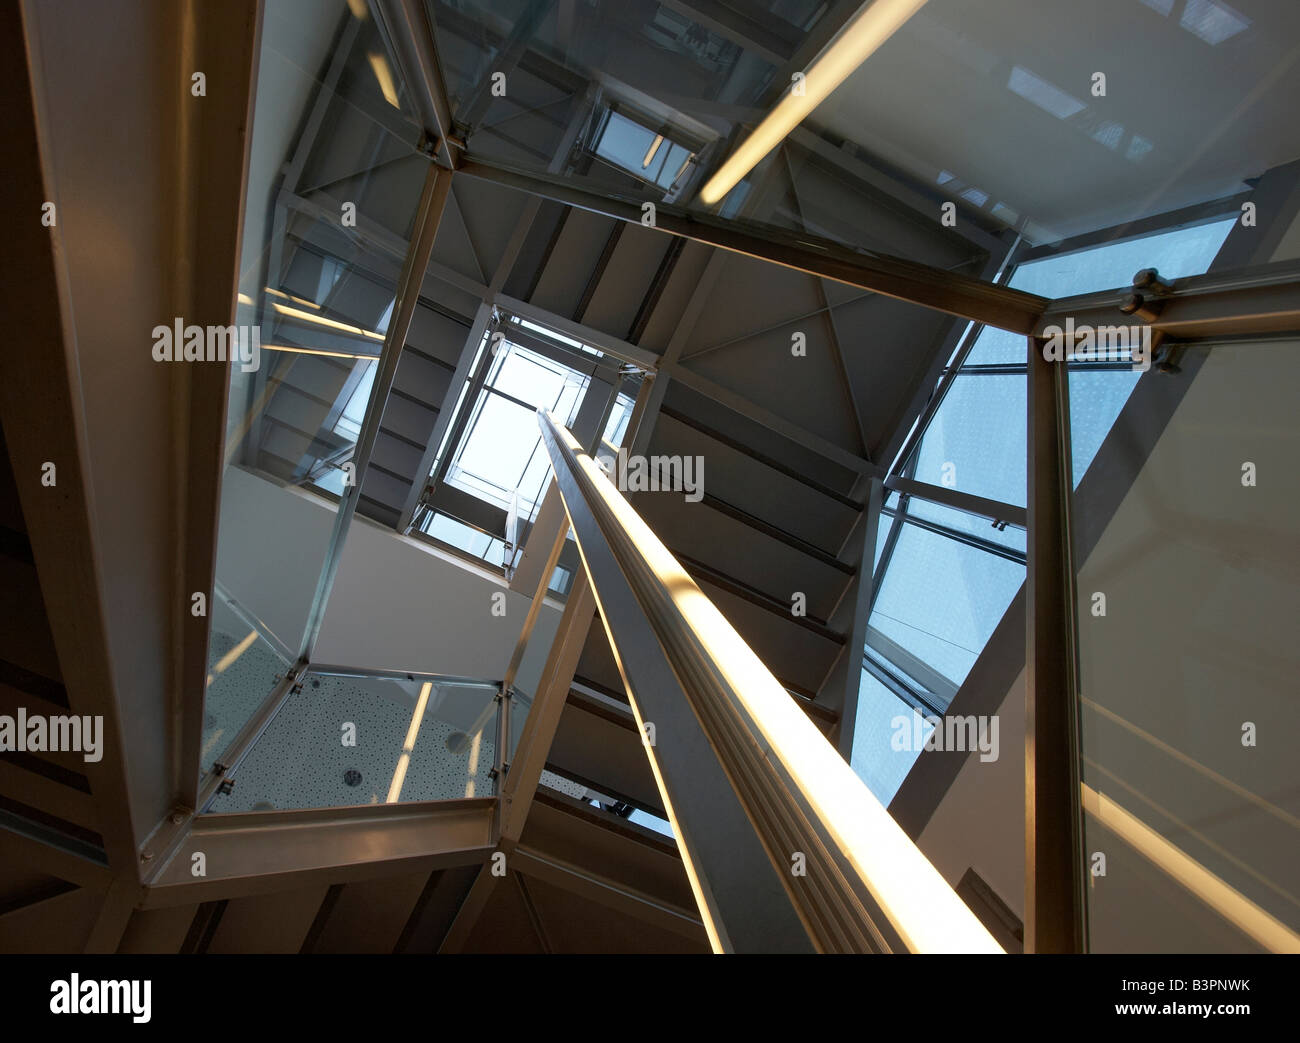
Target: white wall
[980,823]
[397,602]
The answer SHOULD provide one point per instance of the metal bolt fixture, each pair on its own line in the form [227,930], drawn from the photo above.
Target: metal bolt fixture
[1137,305]
[1148,279]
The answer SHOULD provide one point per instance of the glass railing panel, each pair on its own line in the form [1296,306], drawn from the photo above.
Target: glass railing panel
[348,740]
[243,667]
[1187,597]
[333,184]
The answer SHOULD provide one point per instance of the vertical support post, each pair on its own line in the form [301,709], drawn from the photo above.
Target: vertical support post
[853,616]
[1054,886]
[433,199]
[502,736]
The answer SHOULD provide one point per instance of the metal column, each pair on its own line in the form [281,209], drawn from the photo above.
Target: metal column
[1054,894]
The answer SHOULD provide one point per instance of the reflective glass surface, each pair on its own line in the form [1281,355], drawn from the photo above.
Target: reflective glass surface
[244,666]
[1038,118]
[1187,601]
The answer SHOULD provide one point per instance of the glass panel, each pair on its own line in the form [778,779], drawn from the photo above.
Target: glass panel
[501,452]
[970,443]
[1174,253]
[370,740]
[316,291]
[243,668]
[1010,537]
[655,822]
[976,441]
[883,738]
[586,91]
[473,541]
[994,73]
[1188,667]
[940,599]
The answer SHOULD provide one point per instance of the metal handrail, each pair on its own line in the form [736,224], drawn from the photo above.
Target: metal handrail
[865,885]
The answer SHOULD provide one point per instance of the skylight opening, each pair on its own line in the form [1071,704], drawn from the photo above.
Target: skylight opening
[647,154]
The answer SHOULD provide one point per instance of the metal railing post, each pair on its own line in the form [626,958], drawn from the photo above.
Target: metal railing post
[1054,884]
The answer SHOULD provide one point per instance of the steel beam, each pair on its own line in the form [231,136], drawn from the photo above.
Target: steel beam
[544,717]
[767,38]
[620,897]
[45,794]
[605,342]
[994,510]
[1054,878]
[523,34]
[264,851]
[475,338]
[114,914]
[43,850]
[525,770]
[850,617]
[43,409]
[778,424]
[836,343]
[893,276]
[406,25]
[1247,302]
